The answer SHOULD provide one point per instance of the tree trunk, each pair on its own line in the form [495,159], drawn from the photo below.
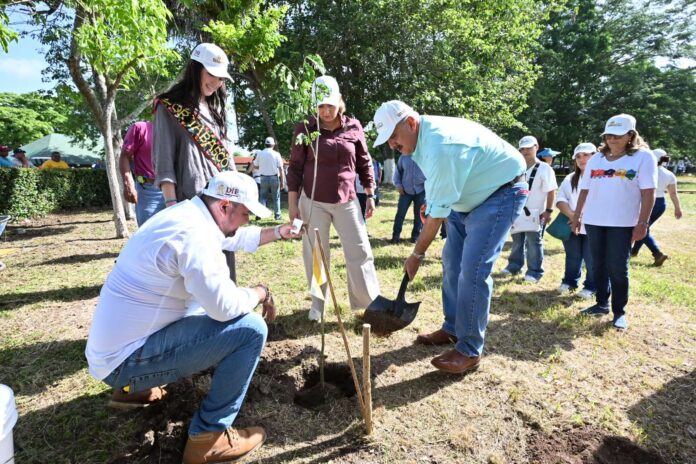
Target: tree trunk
[112,174]
[253,79]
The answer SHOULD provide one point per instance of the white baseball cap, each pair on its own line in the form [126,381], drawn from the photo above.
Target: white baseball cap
[331,95]
[659,153]
[527,141]
[620,124]
[585,148]
[269,142]
[213,58]
[239,188]
[388,116]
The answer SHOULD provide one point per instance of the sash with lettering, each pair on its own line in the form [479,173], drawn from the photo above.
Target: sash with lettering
[207,140]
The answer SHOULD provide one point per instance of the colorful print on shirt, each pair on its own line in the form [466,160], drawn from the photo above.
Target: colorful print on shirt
[620,173]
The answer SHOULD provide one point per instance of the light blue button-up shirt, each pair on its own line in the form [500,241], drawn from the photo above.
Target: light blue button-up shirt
[463,162]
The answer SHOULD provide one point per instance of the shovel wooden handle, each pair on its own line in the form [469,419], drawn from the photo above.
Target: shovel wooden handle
[402,290]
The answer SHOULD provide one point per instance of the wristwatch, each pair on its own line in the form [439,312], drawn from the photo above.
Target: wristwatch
[548,210]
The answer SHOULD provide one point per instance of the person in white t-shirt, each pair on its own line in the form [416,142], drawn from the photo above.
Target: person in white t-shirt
[666,182]
[542,193]
[270,166]
[169,309]
[616,197]
[577,246]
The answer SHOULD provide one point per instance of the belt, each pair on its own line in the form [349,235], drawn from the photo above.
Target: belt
[144,180]
[516,180]
[272,175]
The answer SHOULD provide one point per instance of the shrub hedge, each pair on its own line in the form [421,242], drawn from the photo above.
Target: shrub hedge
[26,193]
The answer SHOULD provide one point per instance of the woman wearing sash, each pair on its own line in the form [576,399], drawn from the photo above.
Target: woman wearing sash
[190,129]
[326,195]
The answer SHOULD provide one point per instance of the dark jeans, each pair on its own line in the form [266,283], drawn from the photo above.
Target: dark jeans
[610,248]
[657,211]
[577,250]
[405,201]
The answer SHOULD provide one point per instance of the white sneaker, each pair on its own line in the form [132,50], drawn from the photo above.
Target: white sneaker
[530,279]
[564,288]
[585,293]
[314,314]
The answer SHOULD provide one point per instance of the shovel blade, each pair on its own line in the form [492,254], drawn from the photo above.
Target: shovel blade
[387,316]
[381,304]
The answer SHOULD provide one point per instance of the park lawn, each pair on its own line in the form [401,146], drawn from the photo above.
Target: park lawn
[546,372]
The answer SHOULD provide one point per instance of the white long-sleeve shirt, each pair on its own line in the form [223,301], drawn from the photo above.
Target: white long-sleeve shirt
[171,268]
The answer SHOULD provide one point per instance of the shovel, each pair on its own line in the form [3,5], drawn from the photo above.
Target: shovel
[387,316]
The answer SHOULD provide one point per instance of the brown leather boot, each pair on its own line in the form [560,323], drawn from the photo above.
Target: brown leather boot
[454,362]
[227,446]
[439,337]
[141,399]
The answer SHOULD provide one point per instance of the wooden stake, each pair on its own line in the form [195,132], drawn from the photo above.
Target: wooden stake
[358,391]
[321,353]
[367,381]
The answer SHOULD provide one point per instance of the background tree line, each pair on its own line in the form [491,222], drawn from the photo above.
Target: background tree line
[556,69]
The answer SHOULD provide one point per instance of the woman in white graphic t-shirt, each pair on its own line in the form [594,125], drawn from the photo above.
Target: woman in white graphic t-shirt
[617,194]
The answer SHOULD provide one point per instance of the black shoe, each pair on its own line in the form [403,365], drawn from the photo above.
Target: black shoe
[395,241]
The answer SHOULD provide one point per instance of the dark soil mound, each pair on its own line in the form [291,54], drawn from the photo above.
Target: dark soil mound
[587,445]
[162,428]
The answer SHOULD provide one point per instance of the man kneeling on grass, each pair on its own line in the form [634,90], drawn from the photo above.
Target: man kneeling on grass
[168,310]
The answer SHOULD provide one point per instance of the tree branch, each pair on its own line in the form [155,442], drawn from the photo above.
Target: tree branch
[78,78]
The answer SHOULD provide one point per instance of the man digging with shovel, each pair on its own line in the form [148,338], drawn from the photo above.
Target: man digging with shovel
[475,180]
[169,309]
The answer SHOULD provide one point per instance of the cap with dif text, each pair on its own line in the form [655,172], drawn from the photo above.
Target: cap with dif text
[239,188]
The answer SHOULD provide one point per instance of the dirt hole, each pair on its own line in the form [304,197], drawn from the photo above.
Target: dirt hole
[587,445]
[338,383]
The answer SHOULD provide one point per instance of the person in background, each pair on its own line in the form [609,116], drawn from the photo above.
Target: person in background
[321,192]
[137,149]
[20,159]
[666,181]
[410,182]
[189,144]
[253,171]
[615,201]
[5,161]
[360,190]
[272,175]
[379,174]
[577,246]
[547,155]
[55,162]
[542,195]
[476,180]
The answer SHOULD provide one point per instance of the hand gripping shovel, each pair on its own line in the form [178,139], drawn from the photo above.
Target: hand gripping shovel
[387,316]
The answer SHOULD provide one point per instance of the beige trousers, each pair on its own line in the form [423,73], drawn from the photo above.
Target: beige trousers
[363,286]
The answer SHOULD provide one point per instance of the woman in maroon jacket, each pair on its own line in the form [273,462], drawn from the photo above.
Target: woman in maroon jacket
[321,192]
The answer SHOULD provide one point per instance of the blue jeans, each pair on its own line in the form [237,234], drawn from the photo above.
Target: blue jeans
[270,191]
[577,250]
[610,248]
[405,201]
[150,201]
[535,253]
[474,242]
[657,211]
[191,345]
